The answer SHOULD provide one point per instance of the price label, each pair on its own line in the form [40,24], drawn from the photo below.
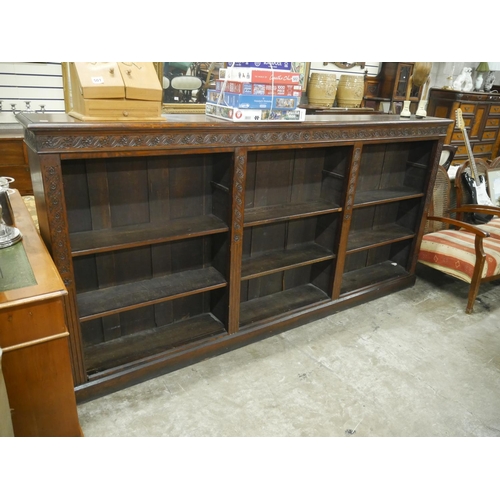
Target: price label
[97,80]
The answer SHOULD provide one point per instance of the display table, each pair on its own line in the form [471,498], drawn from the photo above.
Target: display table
[33,334]
[182,239]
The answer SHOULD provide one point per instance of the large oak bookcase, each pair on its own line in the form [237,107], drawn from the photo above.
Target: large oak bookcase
[183,239]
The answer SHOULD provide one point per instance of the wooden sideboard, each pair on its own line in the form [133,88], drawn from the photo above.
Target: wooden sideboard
[14,158]
[390,86]
[183,239]
[481,114]
[33,334]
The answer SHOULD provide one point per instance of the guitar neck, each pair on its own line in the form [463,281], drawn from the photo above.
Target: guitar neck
[471,156]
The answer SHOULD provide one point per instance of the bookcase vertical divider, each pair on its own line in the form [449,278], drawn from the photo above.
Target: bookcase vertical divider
[237,214]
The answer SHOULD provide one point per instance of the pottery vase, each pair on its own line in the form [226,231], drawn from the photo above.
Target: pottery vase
[322,89]
[350,91]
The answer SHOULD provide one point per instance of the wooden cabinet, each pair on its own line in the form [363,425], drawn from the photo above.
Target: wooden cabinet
[181,240]
[14,159]
[33,334]
[481,114]
[390,86]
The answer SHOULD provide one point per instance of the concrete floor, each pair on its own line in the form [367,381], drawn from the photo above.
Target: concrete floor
[409,364]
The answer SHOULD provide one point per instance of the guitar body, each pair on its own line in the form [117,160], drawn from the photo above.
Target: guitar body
[478,196]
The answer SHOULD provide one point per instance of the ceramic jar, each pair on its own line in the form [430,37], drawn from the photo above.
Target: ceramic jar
[350,91]
[322,89]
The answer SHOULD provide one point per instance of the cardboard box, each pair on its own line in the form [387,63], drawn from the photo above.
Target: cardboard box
[113,91]
[252,101]
[280,89]
[99,80]
[141,81]
[254,115]
[259,75]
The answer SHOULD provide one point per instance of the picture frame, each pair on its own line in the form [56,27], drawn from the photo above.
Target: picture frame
[493,178]
[303,69]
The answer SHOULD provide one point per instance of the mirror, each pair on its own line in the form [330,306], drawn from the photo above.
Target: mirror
[185,84]
[347,65]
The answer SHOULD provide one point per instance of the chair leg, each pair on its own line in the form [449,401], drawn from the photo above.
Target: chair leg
[473,290]
[475,283]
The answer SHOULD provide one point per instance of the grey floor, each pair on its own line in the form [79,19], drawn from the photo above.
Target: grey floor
[409,364]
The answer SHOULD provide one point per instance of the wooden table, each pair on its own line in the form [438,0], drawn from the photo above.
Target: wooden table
[33,333]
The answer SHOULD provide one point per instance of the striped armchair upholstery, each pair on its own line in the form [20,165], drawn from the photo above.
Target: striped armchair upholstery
[459,249]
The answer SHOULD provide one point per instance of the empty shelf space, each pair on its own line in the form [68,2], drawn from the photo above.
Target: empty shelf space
[389,233]
[139,346]
[271,262]
[372,275]
[280,303]
[384,195]
[118,298]
[276,213]
[89,242]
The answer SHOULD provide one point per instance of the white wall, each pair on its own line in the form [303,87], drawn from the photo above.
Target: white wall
[30,84]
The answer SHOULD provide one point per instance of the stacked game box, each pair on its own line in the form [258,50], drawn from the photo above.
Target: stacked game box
[256,91]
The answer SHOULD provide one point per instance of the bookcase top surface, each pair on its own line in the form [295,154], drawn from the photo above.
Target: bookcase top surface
[60,133]
[38,121]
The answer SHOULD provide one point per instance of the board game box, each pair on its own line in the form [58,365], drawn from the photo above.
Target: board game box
[254,115]
[281,89]
[243,101]
[259,75]
[285,66]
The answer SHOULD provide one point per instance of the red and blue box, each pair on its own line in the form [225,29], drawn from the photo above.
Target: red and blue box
[259,75]
[251,101]
[254,115]
[249,88]
[284,66]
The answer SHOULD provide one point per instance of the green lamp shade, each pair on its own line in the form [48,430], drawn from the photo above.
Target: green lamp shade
[483,67]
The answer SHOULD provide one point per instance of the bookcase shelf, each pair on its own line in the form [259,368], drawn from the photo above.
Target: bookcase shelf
[280,303]
[113,299]
[182,239]
[363,240]
[145,345]
[277,213]
[273,262]
[385,195]
[356,280]
[104,240]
